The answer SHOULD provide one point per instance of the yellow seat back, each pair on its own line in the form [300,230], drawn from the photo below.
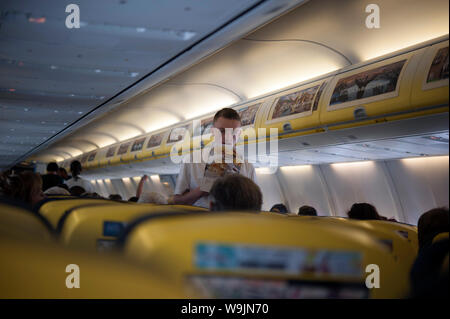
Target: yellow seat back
[19,222]
[439,237]
[249,255]
[96,227]
[53,209]
[409,232]
[39,271]
[402,250]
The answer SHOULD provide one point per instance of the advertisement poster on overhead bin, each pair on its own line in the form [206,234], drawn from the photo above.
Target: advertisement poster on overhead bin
[92,157]
[368,86]
[277,260]
[293,105]
[111,151]
[138,144]
[206,125]
[248,114]
[177,134]
[84,158]
[123,148]
[155,140]
[438,72]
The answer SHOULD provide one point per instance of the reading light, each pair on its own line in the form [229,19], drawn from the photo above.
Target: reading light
[37,20]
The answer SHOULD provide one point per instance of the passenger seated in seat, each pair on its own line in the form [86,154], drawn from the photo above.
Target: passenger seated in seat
[363,211]
[279,208]
[235,192]
[57,190]
[25,187]
[307,211]
[430,224]
[116,197]
[429,273]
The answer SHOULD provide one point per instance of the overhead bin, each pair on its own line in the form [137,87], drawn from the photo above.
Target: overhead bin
[399,86]
[38,271]
[370,93]
[430,87]
[17,221]
[155,145]
[227,255]
[295,111]
[92,161]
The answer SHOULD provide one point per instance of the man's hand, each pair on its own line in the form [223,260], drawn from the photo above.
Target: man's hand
[190,197]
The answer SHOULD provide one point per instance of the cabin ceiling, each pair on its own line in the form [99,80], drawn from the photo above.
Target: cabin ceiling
[316,38]
[51,76]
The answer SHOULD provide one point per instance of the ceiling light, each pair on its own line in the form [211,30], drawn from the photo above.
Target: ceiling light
[134,74]
[141,29]
[12,90]
[53,67]
[80,112]
[37,20]
[98,70]
[25,109]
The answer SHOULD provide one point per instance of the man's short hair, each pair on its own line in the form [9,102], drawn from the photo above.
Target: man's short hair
[227,113]
[52,167]
[235,192]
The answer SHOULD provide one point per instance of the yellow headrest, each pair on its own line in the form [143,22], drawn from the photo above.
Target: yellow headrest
[40,271]
[19,222]
[439,237]
[215,252]
[55,208]
[97,226]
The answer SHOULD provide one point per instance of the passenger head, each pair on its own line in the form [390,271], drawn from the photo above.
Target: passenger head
[115,197]
[279,208]
[52,168]
[133,199]
[77,190]
[235,192]
[228,118]
[307,211]
[430,224]
[75,168]
[63,173]
[30,188]
[363,211]
[56,190]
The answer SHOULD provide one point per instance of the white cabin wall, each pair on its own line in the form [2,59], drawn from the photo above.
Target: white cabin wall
[303,185]
[360,182]
[403,189]
[270,187]
[421,184]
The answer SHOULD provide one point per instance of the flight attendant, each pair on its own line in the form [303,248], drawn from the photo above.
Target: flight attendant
[189,188]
